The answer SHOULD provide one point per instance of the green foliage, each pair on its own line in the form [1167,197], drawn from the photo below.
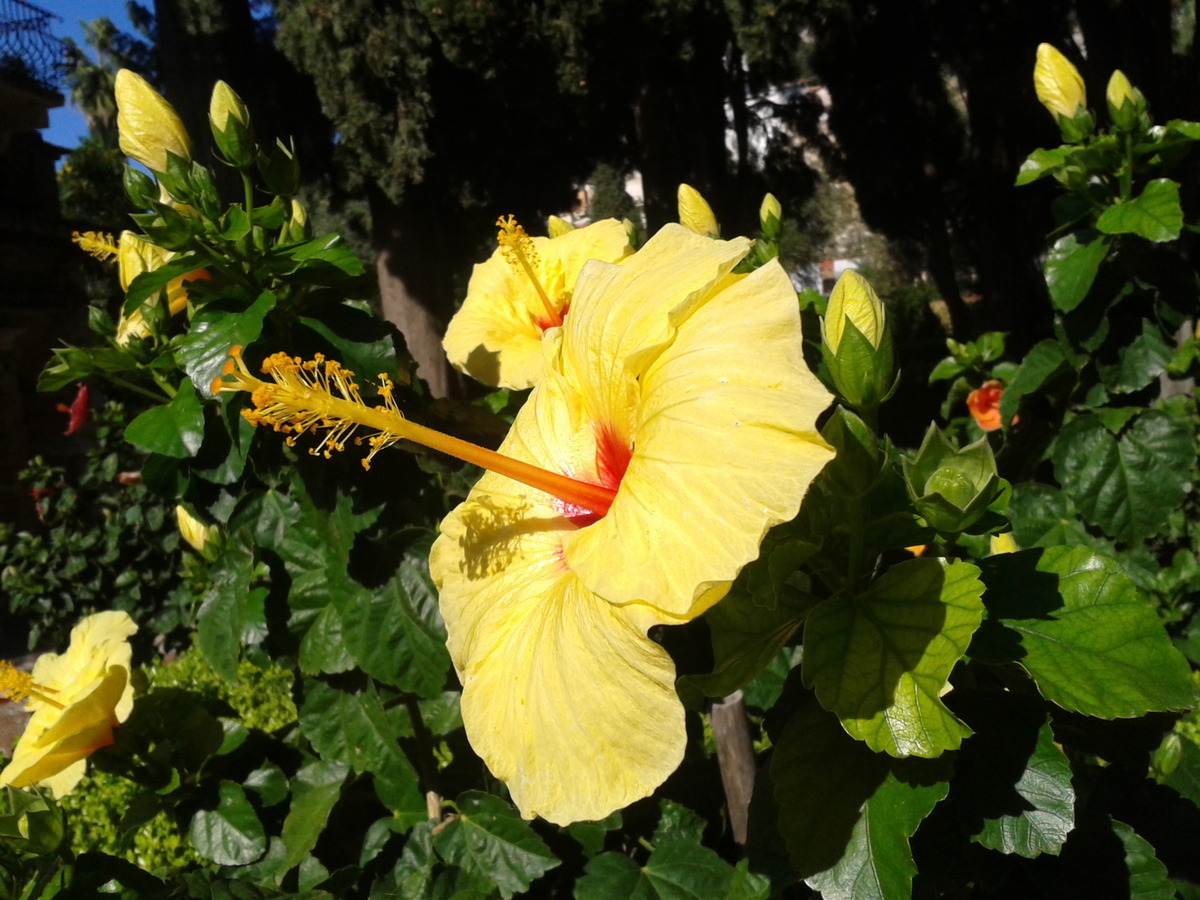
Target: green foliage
[104,541]
[917,726]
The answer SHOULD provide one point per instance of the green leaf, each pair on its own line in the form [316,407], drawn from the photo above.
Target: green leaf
[152,281]
[357,339]
[1042,363]
[217,328]
[1155,214]
[1079,627]
[315,790]
[1139,363]
[394,639]
[678,823]
[879,661]
[1148,878]
[1127,484]
[746,636]
[231,834]
[223,611]
[1043,516]
[1041,163]
[1071,268]
[488,838]
[676,870]
[174,429]
[590,835]
[322,649]
[846,814]
[351,728]
[1012,781]
[946,369]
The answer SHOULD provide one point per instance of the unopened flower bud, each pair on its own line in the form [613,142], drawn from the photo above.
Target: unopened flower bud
[556,227]
[770,217]
[695,214]
[148,125]
[1058,83]
[230,123]
[951,488]
[857,342]
[195,532]
[297,228]
[1125,102]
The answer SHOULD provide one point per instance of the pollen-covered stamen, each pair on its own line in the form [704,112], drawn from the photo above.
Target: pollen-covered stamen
[321,395]
[96,243]
[517,247]
[18,685]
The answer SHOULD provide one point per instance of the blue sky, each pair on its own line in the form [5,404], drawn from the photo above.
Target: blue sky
[66,124]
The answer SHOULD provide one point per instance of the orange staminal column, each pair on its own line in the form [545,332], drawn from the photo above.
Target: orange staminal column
[320,395]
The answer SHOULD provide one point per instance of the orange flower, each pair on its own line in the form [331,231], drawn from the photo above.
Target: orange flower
[984,404]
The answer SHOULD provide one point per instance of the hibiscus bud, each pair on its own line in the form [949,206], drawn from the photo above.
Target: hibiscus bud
[770,217]
[1125,102]
[1060,89]
[556,227]
[148,125]
[230,123]
[298,228]
[195,532]
[857,342]
[952,489]
[695,214]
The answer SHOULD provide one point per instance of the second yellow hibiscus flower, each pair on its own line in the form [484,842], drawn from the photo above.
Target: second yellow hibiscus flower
[523,290]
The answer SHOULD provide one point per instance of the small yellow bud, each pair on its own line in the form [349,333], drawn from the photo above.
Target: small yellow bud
[148,125]
[1058,83]
[193,530]
[1120,91]
[225,103]
[695,213]
[1002,543]
[770,207]
[299,215]
[556,227]
[853,296]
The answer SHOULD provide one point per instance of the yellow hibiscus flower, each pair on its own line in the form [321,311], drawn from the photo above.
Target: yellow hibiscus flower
[523,290]
[683,388]
[675,424]
[76,699]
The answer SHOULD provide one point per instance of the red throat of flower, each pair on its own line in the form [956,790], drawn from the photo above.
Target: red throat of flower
[612,459]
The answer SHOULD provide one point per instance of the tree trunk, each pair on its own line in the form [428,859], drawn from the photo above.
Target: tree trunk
[410,267]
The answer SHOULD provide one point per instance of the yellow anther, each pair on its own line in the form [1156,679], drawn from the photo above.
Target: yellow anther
[18,685]
[517,247]
[96,243]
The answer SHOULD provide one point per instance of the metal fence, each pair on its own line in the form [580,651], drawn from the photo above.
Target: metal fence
[28,52]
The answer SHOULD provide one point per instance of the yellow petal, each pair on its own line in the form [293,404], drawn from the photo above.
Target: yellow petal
[564,696]
[495,337]
[724,448]
[148,124]
[136,255]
